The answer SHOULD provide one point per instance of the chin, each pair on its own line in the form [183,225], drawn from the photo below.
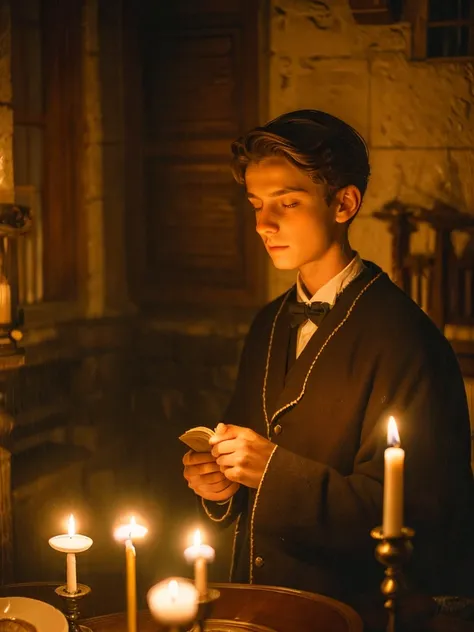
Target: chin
[284,265]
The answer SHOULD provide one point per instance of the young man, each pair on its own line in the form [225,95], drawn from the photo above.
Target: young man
[299,459]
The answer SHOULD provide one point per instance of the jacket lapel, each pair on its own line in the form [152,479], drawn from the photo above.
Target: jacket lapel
[283,393]
[278,356]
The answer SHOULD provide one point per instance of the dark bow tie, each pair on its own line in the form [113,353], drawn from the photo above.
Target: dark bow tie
[301,312]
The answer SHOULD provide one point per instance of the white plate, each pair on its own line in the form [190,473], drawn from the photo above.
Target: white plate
[41,615]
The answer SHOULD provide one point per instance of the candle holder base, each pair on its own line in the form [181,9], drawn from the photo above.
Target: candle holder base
[206,604]
[71,602]
[393,553]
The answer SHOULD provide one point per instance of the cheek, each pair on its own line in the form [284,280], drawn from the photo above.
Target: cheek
[316,236]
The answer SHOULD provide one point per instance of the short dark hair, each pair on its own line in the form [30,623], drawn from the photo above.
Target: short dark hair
[328,149]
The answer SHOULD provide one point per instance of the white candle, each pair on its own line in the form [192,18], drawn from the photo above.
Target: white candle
[393,483]
[71,573]
[5,302]
[71,543]
[199,554]
[127,533]
[173,602]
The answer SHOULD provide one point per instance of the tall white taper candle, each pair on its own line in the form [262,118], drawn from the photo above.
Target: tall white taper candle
[393,483]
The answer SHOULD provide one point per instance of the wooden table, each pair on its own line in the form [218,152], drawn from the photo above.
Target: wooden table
[246,608]
[263,608]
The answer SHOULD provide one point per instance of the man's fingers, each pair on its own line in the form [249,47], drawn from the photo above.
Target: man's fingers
[229,460]
[201,469]
[204,487]
[225,447]
[215,488]
[230,432]
[206,479]
[195,458]
[229,492]
[234,474]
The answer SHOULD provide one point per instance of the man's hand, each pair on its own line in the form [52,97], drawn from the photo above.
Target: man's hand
[205,477]
[241,453]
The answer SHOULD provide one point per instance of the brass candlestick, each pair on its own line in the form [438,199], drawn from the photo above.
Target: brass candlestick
[393,553]
[206,604]
[71,601]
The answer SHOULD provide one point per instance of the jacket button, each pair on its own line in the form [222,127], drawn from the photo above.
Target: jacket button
[259,561]
[277,429]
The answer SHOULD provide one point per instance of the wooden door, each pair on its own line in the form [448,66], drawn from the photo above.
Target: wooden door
[192,88]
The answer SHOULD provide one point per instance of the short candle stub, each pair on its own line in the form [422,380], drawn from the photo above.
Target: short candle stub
[173,602]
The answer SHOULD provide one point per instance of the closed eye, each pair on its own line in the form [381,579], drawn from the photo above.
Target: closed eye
[292,205]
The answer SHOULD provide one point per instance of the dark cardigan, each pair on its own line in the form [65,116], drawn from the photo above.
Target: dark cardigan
[308,525]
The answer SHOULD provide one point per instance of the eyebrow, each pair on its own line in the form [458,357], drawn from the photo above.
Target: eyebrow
[279,192]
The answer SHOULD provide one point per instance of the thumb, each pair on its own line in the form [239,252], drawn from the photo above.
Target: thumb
[220,428]
[223,433]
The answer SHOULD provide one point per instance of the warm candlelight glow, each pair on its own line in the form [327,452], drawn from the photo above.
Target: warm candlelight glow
[394,458]
[5,302]
[130,531]
[173,602]
[71,526]
[173,589]
[70,543]
[393,438]
[200,555]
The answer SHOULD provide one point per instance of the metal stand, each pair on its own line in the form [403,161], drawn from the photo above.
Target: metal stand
[71,602]
[205,607]
[206,604]
[393,553]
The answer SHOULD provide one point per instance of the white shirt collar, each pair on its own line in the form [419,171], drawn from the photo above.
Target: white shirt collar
[328,292]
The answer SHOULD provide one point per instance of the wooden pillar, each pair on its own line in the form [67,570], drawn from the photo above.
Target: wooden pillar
[401,226]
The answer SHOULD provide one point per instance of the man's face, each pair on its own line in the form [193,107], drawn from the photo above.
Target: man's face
[293,219]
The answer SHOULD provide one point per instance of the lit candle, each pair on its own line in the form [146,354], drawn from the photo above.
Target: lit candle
[127,533]
[5,302]
[71,544]
[173,602]
[393,483]
[199,554]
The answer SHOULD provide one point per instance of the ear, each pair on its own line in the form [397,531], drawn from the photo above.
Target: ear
[347,202]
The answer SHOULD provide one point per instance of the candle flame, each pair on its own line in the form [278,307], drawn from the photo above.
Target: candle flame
[197,538]
[130,530]
[173,589]
[71,526]
[393,438]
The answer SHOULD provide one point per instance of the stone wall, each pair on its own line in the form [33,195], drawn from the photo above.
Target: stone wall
[415,116]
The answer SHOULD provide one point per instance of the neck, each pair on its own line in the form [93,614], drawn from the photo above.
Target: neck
[317,273]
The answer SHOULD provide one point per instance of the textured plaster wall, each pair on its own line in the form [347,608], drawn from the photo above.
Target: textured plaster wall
[416,116]
[92,165]
[6,114]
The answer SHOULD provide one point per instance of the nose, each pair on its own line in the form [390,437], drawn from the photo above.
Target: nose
[266,223]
